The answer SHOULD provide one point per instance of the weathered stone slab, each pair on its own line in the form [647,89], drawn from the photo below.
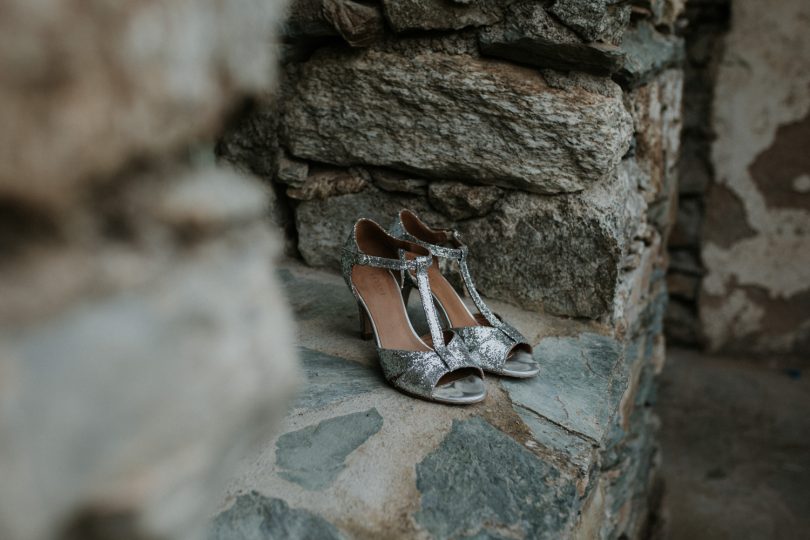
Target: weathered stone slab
[313,457]
[449,116]
[256,517]
[441,14]
[331,379]
[480,483]
[529,35]
[572,388]
[594,20]
[575,449]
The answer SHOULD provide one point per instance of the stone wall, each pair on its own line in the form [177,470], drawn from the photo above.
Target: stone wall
[739,274]
[548,134]
[144,341]
[706,24]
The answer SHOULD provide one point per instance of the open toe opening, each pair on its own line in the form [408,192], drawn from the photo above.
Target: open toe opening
[520,362]
[461,386]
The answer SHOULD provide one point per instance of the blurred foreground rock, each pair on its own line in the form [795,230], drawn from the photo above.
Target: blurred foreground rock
[145,344]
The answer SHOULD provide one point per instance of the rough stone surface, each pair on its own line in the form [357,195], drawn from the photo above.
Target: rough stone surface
[456,117]
[398,182]
[529,35]
[569,248]
[755,295]
[322,182]
[656,111]
[313,457]
[461,201]
[558,254]
[477,483]
[305,19]
[562,182]
[441,14]
[358,23]
[256,517]
[594,20]
[575,374]
[647,52]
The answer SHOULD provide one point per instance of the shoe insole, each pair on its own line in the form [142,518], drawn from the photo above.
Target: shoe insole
[382,296]
[454,307]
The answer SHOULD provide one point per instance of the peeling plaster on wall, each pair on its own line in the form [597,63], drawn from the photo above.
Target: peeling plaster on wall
[762,85]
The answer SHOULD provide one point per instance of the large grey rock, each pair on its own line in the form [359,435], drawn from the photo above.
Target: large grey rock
[451,116]
[529,35]
[479,481]
[312,457]
[256,517]
[561,254]
[594,20]
[441,14]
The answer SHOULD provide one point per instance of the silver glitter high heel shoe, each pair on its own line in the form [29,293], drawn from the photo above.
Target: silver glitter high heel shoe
[500,347]
[437,367]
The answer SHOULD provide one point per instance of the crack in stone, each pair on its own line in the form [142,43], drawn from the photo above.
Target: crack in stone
[557,424]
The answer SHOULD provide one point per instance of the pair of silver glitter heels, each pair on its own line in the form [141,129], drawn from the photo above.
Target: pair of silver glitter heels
[447,365]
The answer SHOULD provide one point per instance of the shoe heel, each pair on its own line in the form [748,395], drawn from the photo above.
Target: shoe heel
[366,329]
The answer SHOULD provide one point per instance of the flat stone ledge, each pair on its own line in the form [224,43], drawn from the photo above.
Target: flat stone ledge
[355,458]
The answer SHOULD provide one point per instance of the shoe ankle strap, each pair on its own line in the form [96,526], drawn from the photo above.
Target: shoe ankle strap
[402,264]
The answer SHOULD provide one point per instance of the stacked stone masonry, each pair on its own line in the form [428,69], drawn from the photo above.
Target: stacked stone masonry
[707,23]
[549,135]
